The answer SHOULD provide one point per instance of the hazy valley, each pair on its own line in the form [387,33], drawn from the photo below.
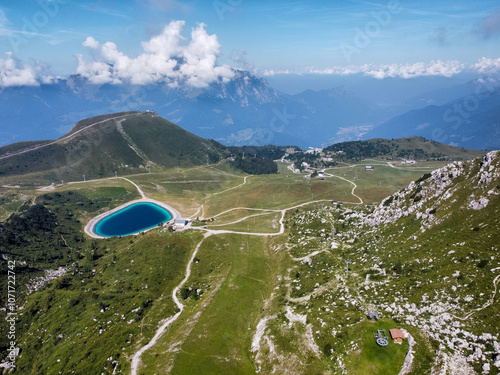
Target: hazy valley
[247,110]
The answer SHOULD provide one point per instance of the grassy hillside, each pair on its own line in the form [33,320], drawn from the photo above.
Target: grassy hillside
[125,142]
[91,121]
[45,234]
[133,142]
[101,310]
[19,146]
[426,258]
[407,148]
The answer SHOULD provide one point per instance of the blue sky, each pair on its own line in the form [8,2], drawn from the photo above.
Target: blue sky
[44,38]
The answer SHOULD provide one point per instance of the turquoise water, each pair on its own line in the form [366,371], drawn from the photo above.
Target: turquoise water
[132,219]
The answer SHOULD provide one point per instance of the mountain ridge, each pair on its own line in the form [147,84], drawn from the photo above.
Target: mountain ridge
[430,256]
[247,110]
[244,111]
[129,142]
[121,142]
[470,121]
[413,147]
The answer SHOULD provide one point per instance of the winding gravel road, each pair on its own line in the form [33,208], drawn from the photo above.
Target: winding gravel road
[136,360]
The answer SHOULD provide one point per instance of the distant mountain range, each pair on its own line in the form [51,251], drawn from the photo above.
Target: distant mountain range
[244,111]
[471,121]
[248,111]
[131,142]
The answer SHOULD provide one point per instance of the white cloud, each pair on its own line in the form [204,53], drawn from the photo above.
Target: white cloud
[167,58]
[419,69]
[434,68]
[12,73]
[338,70]
[15,73]
[486,65]
[90,42]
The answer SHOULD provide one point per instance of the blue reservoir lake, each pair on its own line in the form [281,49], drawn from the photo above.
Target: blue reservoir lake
[132,219]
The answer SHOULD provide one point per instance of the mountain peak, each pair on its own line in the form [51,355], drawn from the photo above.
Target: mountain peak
[245,89]
[100,145]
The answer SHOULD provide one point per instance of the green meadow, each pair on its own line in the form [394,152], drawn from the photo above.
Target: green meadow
[118,291]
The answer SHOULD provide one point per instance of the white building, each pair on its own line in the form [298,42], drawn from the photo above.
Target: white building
[313,150]
[180,224]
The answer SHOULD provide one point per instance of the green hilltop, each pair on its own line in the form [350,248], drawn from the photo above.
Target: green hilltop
[402,148]
[126,142]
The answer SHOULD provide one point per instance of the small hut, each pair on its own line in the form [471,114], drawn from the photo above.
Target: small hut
[397,335]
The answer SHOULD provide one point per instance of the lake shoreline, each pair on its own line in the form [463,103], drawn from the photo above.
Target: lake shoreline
[90,228]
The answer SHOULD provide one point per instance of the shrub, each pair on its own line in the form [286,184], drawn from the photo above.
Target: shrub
[482,263]
[388,201]
[185,292]
[398,267]
[423,178]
